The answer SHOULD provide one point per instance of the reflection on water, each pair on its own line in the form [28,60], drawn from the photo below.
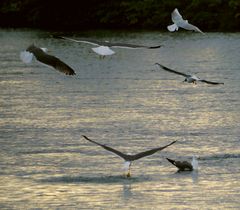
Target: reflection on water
[125,102]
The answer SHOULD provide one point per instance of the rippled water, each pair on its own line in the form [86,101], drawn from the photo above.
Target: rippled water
[123,101]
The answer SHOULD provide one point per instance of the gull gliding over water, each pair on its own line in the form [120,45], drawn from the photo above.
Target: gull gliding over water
[50,60]
[178,22]
[188,77]
[104,47]
[129,158]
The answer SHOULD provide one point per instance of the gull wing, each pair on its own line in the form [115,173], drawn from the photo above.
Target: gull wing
[189,27]
[120,154]
[176,17]
[109,44]
[86,41]
[212,83]
[50,60]
[149,152]
[171,70]
[133,46]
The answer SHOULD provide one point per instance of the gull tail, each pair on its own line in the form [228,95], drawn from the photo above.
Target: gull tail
[172,27]
[171,161]
[26,56]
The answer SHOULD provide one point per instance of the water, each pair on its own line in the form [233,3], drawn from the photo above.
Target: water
[123,101]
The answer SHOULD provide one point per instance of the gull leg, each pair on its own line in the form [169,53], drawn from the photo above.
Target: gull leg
[129,171]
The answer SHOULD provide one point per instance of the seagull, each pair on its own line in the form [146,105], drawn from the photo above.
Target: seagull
[178,22]
[185,165]
[188,77]
[181,165]
[129,158]
[50,60]
[104,48]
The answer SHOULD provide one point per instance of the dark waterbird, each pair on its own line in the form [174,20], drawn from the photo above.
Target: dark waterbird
[130,158]
[181,165]
[50,60]
[188,77]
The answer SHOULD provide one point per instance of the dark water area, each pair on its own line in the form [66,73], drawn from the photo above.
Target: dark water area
[126,102]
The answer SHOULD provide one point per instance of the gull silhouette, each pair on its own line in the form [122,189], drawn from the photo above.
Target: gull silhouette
[104,47]
[179,22]
[185,165]
[188,77]
[50,60]
[129,158]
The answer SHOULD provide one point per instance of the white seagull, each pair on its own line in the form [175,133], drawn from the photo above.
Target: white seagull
[179,22]
[50,60]
[188,77]
[129,158]
[104,48]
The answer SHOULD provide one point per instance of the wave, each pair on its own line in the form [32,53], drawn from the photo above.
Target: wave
[219,156]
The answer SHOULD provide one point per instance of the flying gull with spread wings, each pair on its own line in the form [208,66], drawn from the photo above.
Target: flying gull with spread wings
[41,55]
[104,47]
[188,77]
[179,22]
[129,158]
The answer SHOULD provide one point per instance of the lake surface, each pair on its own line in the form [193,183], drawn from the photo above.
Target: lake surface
[126,102]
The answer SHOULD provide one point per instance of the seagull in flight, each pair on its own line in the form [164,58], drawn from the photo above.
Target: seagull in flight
[129,158]
[41,55]
[185,165]
[104,47]
[188,77]
[179,22]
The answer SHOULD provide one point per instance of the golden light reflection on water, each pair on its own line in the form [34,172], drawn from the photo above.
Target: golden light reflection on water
[124,103]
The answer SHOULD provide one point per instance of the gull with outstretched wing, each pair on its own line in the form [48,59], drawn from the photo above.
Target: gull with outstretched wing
[179,22]
[104,47]
[188,77]
[130,158]
[42,56]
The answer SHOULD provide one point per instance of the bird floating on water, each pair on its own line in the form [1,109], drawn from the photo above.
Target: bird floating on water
[104,47]
[130,158]
[179,22]
[188,77]
[41,55]
[185,165]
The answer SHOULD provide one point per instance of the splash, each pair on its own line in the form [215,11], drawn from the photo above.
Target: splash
[26,57]
[194,163]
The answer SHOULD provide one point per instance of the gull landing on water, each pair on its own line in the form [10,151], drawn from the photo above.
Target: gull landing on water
[185,165]
[50,60]
[178,22]
[188,77]
[104,48]
[129,158]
